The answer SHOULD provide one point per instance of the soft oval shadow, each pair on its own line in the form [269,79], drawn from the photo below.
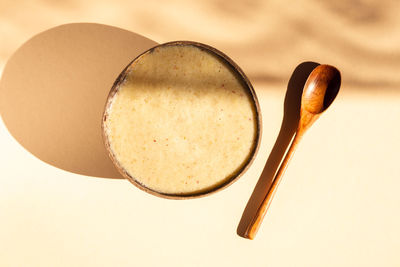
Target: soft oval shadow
[54,88]
[291,116]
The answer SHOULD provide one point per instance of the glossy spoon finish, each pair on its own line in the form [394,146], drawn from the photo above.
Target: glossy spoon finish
[319,91]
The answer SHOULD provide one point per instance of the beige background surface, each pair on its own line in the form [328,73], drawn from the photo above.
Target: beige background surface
[338,204]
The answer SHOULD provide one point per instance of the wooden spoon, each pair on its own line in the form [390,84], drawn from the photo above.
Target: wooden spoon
[319,91]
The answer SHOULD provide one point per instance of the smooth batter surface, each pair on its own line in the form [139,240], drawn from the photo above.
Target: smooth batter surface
[182,121]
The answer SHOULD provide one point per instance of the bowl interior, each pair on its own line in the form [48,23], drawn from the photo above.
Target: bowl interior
[246,84]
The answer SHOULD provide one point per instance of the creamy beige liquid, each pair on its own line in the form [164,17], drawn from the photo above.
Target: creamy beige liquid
[182,122]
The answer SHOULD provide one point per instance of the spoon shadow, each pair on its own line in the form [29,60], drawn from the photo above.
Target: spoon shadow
[289,125]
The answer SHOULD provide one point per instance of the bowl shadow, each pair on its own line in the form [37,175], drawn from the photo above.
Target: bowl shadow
[54,88]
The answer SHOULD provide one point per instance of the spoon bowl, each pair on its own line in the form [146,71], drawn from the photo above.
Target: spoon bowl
[321,88]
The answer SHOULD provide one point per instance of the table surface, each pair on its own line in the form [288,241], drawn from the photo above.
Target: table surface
[338,203]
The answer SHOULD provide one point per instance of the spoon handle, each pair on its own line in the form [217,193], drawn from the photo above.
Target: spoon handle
[255,223]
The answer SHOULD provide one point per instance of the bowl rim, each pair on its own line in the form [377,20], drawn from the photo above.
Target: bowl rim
[121,78]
